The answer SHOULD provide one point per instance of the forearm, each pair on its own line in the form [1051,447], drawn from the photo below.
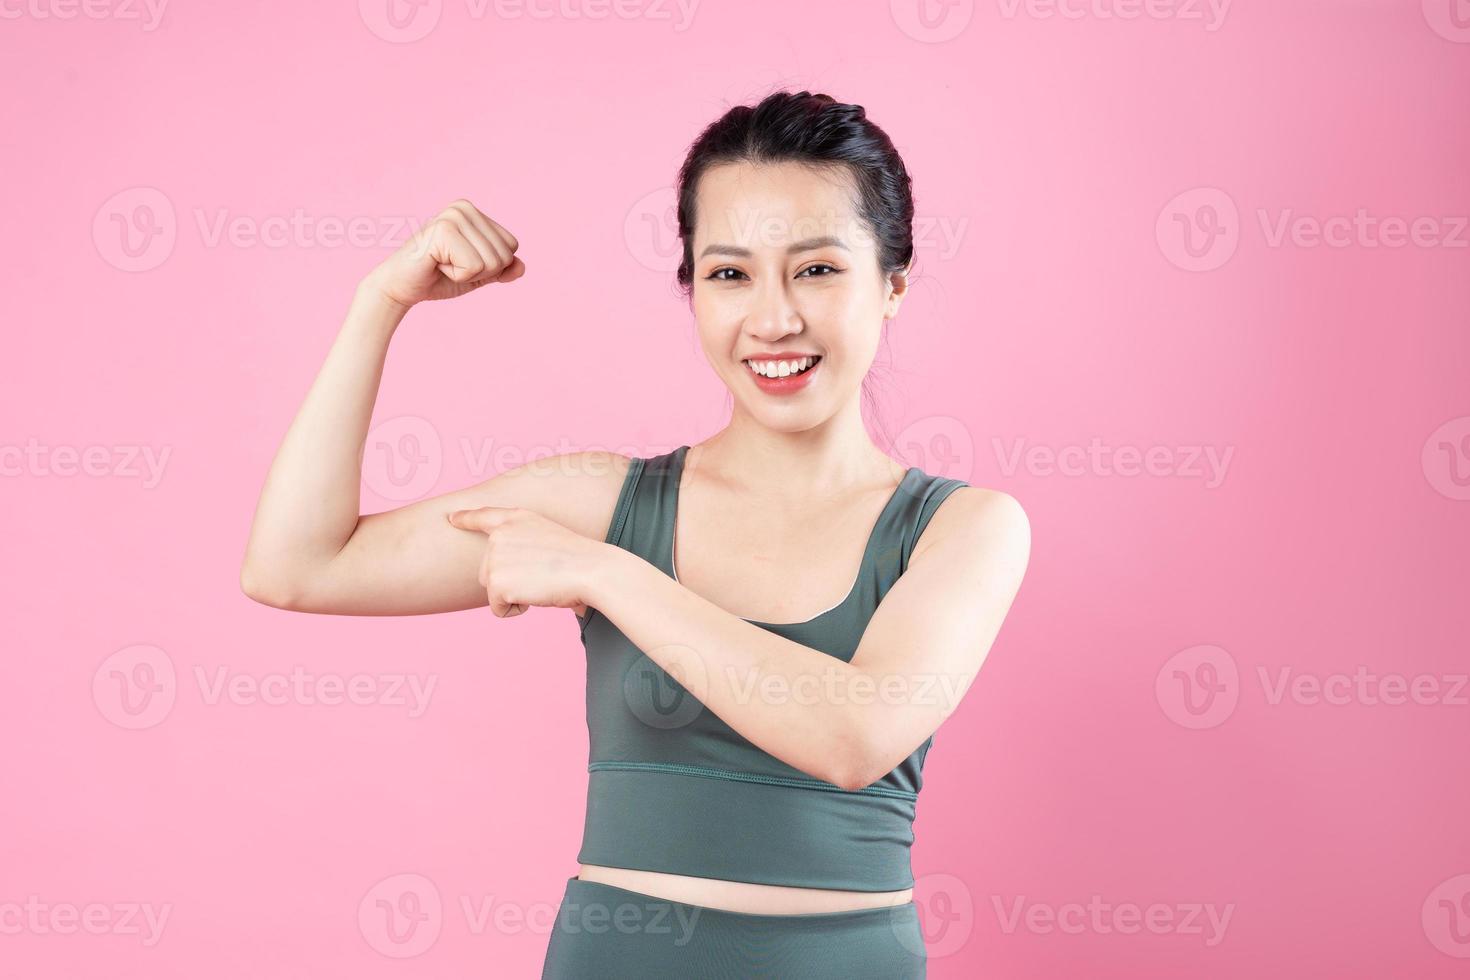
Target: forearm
[775,692]
[310,502]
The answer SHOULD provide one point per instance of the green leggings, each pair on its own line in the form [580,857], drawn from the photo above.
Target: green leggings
[610,933]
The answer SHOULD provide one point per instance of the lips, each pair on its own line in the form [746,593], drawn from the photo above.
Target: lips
[767,372]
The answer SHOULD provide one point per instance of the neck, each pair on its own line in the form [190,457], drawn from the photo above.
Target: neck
[833,457]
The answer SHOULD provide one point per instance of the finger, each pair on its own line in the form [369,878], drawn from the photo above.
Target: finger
[505,609]
[504,242]
[494,255]
[457,259]
[480,518]
[505,236]
[512,272]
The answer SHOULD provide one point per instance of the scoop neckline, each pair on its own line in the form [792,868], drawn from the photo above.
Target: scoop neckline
[676,475]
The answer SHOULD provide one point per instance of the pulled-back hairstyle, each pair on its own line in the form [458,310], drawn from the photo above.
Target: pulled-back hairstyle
[816,130]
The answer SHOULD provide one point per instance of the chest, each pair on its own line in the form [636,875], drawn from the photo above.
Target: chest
[770,561]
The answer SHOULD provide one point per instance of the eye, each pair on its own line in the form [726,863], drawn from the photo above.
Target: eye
[716,277]
[820,265]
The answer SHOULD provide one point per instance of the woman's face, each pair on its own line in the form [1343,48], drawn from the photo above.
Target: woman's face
[784,269]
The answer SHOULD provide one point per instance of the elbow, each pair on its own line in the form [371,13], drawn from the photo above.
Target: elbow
[268,588]
[854,765]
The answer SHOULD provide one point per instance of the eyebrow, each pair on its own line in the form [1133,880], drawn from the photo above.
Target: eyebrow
[805,245]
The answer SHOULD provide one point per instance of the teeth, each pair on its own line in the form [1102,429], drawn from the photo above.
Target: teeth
[781,369]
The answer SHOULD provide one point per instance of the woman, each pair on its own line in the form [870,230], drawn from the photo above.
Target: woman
[758,710]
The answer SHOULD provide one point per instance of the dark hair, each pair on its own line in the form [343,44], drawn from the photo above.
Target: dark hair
[816,130]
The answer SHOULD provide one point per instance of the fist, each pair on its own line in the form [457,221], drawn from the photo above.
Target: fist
[460,250]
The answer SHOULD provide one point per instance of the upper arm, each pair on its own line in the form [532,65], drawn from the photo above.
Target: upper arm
[935,625]
[410,560]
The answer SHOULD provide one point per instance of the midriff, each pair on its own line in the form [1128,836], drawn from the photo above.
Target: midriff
[740,896]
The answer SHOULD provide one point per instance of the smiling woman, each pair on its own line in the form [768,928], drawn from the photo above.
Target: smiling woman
[760,717]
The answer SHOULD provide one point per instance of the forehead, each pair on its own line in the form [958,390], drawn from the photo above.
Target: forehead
[770,205]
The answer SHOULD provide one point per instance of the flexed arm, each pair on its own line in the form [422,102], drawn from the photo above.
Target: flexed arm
[309,548]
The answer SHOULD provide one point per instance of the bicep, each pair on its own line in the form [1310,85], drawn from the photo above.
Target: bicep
[936,624]
[410,560]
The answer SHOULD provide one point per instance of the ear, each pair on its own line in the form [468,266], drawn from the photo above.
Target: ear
[898,288]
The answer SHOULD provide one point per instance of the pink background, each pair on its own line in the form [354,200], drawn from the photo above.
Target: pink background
[1058,160]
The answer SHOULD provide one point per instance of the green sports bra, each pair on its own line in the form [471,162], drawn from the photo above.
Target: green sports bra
[673,788]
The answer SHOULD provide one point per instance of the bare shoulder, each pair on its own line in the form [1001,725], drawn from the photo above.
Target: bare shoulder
[577,490]
[977,528]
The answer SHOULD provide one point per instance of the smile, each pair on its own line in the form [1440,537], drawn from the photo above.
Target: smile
[782,369]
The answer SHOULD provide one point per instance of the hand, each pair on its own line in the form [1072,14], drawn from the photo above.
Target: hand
[530,560]
[460,250]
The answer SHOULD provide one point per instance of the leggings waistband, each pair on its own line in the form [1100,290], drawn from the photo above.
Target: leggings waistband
[606,932]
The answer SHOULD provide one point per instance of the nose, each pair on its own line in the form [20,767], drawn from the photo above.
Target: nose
[773,315]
